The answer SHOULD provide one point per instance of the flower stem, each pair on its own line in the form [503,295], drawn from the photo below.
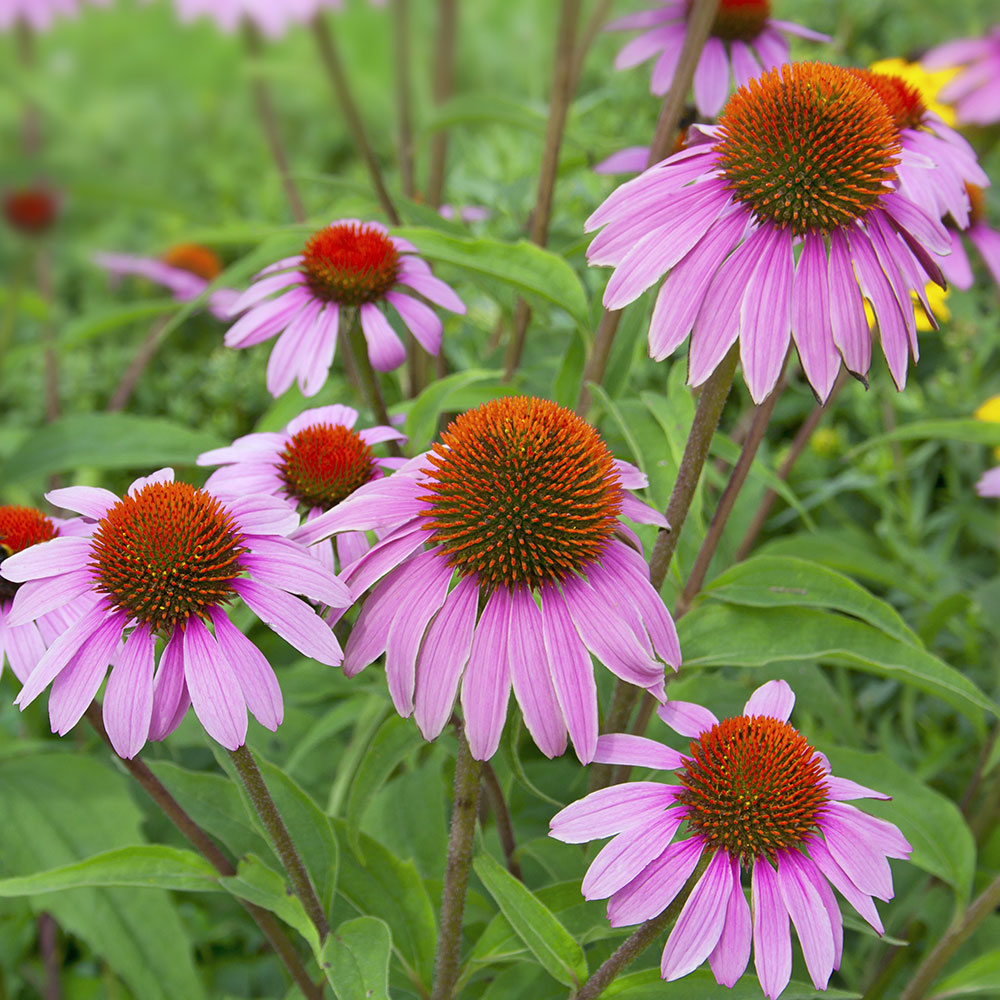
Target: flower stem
[360,370]
[640,940]
[341,86]
[404,93]
[269,121]
[208,849]
[699,23]
[48,947]
[798,446]
[31,130]
[587,38]
[139,363]
[505,828]
[761,418]
[456,878]
[560,97]
[281,839]
[444,73]
[981,907]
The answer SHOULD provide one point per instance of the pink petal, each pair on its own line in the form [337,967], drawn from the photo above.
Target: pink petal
[811,920]
[732,952]
[656,886]
[52,558]
[619,861]
[128,698]
[486,684]
[812,326]
[170,693]
[772,942]
[774,700]
[612,810]
[256,678]
[711,78]
[422,321]
[90,501]
[686,718]
[214,687]
[385,349]
[636,751]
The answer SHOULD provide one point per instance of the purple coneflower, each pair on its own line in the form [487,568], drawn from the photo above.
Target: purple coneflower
[316,462]
[757,797]
[164,561]
[989,483]
[936,165]
[744,38]
[956,267]
[38,15]
[31,210]
[272,18]
[521,501]
[347,265]
[24,645]
[802,160]
[186,270]
[975,91]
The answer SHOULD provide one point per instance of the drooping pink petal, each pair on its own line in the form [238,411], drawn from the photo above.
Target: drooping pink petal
[52,558]
[128,698]
[385,348]
[264,321]
[486,684]
[314,365]
[686,718]
[37,597]
[772,942]
[22,645]
[636,751]
[711,78]
[289,348]
[620,860]
[422,321]
[847,308]
[809,872]
[810,918]
[90,501]
[732,951]
[843,788]
[290,567]
[215,690]
[656,886]
[812,327]
[170,693]
[841,881]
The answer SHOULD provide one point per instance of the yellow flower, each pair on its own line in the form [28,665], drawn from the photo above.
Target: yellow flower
[989,412]
[928,82]
[936,299]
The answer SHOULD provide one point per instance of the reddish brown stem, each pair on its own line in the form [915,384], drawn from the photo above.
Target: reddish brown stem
[444,81]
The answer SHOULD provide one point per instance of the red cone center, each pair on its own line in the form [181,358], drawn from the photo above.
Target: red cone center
[20,528]
[325,463]
[350,263]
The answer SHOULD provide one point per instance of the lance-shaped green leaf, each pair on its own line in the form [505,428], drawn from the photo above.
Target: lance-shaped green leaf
[534,923]
[969,431]
[355,959]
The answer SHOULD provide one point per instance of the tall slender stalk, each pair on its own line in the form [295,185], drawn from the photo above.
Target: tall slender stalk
[699,24]
[696,578]
[48,947]
[359,368]
[444,81]
[456,877]
[264,106]
[203,843]
[31,129]
[337,75]
[505,828]
[280,838]
[404,93]
[798,446]
[982,906]
[587,38]
[560,97]
[139,363]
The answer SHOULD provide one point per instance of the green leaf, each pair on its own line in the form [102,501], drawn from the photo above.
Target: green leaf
[422,420]
[980,977]
[942,842]
[782,581]
[148,866]
[106,441]
[969,431]
[86,328]
[355,959]
[384,886]
[60,807]
[393,743]
[258,884]
[534,922]
[719,635]
[529,269]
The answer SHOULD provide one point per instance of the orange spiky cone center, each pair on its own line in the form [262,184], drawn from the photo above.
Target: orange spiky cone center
[20,528]
[752,786]
[741,20]
[325,463]
[521,492]
[350,263]
[166,553]
[902,100]
[31,210]
[807,146]
[196,259]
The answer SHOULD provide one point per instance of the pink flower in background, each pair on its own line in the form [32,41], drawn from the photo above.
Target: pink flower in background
[975,91]
[348,265]
[956,267]
[38,14]
[803,157]
[744,40]
[755,797]
[989,483]
[936,164]
[521,501]
[316,462]
[272,18]
[24,645]
[186,270]
[163,562]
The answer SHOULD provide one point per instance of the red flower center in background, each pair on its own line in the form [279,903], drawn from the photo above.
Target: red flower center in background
[20,528]
[752,787]
[903,102]
[350,263]
[739,19]
[324,464]
[808,146]
[167,553]
[31,210]
[197,259]
[522,491]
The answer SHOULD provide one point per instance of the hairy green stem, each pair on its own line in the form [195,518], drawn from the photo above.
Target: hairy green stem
[210,851]
[334,67]
[280,838]
[269,122]
[982,906]
[456,878]
[560,97]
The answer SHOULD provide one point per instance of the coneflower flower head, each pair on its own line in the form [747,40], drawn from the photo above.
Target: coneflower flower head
[31,210]
[744,38]
[502,563]
[348,265]
[803,162]
[163,563]
[755,798]
[975,89]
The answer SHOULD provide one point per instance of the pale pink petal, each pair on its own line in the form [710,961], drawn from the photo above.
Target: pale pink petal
[37,597]
[686,718]
[847,309]
[289,566]
[433,289]
[808,872]
[422,321]
[656,886]
[812,327]
[257,680]
[611,810]
[23,646]
[51,558]
[385,349]
[90,501]
[486,684]
[636,751]
[314,365]
[732,952]
[774,700]
[772,942]
[841,881]
[214,687]
[811,920]
[711,78]
[170,693]
[128,698]
[290,347]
